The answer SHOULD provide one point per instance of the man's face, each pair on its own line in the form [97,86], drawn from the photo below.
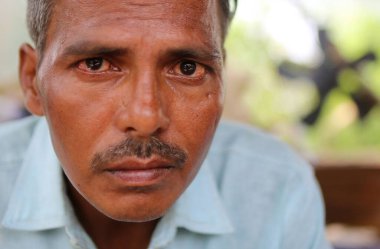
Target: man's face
[132,91]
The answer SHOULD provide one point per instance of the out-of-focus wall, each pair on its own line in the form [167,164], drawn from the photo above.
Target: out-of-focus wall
[13,32]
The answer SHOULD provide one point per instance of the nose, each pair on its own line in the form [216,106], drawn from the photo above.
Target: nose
[142,110]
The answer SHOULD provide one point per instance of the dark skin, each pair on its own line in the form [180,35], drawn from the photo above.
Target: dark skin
[109,233]
[138,69]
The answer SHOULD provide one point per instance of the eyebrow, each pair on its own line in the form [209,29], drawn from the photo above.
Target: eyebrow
[197,53]
[90,49]
[86,48]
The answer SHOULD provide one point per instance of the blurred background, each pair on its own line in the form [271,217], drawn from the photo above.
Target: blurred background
[308,71]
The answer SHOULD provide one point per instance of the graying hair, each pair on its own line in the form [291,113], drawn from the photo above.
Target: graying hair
[39,13]
[38,17]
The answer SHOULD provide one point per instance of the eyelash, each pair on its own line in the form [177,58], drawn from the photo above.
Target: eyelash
[113,68]
[199,66]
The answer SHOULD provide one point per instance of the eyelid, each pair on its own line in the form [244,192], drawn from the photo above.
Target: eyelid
[105,60]
[203,73]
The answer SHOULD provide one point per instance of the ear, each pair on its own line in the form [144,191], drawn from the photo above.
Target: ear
[28,79]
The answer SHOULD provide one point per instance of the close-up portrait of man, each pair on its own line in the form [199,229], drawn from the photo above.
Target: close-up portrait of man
[125,148]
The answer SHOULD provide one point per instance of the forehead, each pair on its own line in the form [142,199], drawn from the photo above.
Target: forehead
[71,16]
[141,9]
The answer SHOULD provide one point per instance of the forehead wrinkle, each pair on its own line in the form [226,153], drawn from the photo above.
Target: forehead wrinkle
[145,10]
[133,9]
[86,13]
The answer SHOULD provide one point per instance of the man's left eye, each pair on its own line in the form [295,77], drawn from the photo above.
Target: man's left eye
[96,65]
[189,68]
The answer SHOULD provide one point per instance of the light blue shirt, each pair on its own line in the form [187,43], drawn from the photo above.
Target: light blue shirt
[251,192]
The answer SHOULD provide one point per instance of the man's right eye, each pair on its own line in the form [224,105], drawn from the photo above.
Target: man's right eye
[96,65]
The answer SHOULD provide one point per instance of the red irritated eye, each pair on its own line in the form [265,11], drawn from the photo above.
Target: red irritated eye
[96,65]
[188,68]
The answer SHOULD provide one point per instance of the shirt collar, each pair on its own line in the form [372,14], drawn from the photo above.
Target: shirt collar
[38,199]
[199,210]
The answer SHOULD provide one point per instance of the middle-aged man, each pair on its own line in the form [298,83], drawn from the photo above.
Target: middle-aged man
[131,93]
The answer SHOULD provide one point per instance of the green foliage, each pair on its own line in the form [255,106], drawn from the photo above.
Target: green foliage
[274,101]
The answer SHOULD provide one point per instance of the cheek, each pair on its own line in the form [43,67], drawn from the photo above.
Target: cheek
[72,113]
[205,110]
[198,124]
[205,115]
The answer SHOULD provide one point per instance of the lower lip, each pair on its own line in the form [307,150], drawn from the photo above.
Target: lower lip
[141,177]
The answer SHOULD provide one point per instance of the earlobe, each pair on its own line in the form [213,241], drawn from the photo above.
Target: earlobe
[28,79]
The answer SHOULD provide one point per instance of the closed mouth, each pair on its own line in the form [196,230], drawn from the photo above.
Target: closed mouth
[139,172]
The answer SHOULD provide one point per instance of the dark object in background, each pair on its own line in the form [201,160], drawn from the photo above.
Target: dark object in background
[351,194]
[325,77]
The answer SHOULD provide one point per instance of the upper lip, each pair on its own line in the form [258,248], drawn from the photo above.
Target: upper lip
[131,163]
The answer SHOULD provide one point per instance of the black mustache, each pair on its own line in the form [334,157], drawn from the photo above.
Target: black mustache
[141,149]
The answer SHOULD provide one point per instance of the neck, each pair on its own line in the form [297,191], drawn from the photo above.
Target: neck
[107,233]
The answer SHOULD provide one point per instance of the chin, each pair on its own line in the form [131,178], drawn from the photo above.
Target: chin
[137,218]
[140,219]
[136,213]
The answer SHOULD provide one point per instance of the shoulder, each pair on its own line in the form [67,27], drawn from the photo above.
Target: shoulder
[273,189]
[18,127]
[14,139]
[248,150]
[255,170]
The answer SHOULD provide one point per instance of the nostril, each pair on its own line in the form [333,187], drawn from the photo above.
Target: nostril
[142,123]
[158,132]
[130,129]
